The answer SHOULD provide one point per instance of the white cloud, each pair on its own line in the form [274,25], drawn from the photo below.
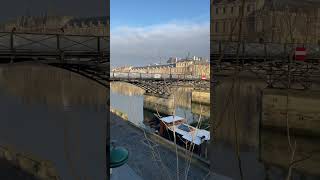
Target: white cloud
[144,45]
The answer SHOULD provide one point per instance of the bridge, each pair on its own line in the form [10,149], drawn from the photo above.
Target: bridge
[271,62]
[161,84]
[87,55]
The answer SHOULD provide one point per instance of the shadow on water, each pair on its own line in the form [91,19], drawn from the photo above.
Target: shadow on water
[54,115]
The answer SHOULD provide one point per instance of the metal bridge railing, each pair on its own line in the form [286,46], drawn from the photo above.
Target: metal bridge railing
[36,44]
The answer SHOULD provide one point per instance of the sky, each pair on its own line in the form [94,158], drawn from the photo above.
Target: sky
[148,31]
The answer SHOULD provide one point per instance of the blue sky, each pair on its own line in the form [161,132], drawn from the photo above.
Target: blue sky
[148,12]
[143,31]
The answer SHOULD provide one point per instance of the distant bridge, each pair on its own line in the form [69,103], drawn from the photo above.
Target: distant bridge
[161,84]
[87,55]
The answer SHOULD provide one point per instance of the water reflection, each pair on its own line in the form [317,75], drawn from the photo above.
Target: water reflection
[55,115]
[40,84]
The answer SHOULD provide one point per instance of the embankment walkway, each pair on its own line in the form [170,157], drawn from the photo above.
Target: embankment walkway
[155,161]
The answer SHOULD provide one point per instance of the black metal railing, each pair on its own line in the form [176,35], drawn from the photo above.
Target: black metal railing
[255,51]
[19,44]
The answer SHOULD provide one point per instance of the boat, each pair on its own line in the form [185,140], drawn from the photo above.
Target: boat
[179,126]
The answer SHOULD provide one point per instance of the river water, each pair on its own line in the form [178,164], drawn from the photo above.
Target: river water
[54,115]
[141,108]
[130,100]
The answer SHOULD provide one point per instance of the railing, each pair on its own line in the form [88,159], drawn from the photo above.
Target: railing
[155,76]
[264,50]
[61,45]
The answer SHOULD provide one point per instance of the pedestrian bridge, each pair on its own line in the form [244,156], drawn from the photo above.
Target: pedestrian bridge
[87,55]
[162,84]
[156,76]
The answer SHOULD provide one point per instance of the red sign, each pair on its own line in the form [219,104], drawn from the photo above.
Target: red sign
[300,54]
[203,77]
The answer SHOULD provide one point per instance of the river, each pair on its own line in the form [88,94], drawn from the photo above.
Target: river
[141,108]
[54,115]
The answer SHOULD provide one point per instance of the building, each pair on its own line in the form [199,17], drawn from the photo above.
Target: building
[276,21]
[191,66]
[200,68]
[122,69]
[59,24]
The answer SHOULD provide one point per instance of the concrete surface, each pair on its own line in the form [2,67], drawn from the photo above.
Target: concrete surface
[156,162]
[124,172]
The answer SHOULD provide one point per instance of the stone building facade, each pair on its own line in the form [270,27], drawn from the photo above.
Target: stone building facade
[122,69]
[59,24]
[193,67]
[266,20]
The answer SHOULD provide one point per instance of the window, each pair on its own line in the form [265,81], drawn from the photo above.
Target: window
[224,10]
[231,10]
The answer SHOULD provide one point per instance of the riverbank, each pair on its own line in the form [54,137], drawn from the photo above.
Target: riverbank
[119,113]
[151,158]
